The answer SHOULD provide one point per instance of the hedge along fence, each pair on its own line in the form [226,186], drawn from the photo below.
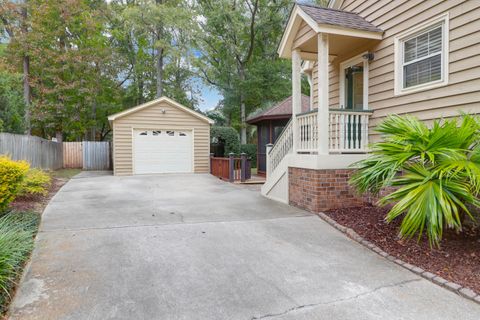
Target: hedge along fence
[228,136]
[39,153]
[230,139]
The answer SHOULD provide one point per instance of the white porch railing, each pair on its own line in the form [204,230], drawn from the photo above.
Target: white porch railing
[308,135]
[282,147]
[348,131]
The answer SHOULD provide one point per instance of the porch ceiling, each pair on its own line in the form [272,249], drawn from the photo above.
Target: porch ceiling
[339,45]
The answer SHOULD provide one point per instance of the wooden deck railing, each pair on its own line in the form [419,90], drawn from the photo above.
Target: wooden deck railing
[232,168]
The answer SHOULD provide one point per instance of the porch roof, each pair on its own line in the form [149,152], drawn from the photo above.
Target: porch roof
[338,18]
[282,110]
[342,24]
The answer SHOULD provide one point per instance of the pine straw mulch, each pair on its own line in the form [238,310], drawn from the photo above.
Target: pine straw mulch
[457,260]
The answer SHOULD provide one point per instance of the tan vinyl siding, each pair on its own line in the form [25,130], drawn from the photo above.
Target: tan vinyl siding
[334,86]
[395,17]
[153,118]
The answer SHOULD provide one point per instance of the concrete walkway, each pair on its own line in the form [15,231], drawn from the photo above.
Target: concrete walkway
[193,247]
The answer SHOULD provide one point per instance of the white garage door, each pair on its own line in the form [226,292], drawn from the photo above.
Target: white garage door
[162,151]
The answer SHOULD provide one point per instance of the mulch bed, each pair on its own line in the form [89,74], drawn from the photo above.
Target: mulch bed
[39,202]
[458,259]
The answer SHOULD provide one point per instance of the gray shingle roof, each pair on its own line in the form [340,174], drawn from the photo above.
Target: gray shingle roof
[339,18]
[282,109]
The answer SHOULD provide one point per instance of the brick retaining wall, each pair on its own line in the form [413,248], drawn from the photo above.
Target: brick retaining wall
[319,190]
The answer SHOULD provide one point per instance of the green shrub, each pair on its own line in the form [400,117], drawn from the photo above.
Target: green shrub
[436,173]
[11,176]
[35,182]
[251,151]
[16,242]
[228,136]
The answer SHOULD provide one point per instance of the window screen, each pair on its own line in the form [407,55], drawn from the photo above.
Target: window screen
[422,58]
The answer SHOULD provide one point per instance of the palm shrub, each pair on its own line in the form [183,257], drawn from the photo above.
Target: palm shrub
[435,172]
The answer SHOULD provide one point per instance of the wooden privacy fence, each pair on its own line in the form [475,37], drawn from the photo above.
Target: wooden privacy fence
[87,155]
[50,155]
[72,155]
[96,155]
[40,153]
[232,168]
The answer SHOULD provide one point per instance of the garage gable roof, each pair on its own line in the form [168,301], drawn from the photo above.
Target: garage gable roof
[155,102]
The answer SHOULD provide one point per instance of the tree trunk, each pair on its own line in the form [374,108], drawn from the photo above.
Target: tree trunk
[140,91]
[59,136]
[93,132]
[26,75]
[159,73]
[26,93]
[159,58]
[243,129]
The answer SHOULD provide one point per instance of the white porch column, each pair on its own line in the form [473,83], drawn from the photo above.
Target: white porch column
[296,95]
[323,113]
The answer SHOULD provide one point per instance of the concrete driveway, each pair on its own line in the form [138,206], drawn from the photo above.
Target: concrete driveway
[193,247]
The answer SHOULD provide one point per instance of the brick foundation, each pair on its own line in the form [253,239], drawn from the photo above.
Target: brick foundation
[319,190]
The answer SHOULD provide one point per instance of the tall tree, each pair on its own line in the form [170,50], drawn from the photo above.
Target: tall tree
[12,106]
[161,28]
[71,61]
[14,22]
[238,41]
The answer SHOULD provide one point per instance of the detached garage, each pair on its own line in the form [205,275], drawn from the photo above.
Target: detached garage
[160,136]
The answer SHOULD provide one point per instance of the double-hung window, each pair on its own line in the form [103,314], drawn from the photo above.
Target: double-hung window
[421,57]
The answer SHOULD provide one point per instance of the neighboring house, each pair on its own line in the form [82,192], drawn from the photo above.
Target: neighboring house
[270,124]
[160,136]
[367,59]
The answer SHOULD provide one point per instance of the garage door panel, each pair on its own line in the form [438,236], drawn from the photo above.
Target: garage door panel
[162,151]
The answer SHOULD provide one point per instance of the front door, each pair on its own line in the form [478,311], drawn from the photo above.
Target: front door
[354,84]
[354,87]
[353,96]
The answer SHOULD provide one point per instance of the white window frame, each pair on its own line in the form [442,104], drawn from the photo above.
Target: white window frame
[399,41]
[348,63]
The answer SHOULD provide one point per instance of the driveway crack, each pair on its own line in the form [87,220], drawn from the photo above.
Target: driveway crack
[313,305]
[166,224]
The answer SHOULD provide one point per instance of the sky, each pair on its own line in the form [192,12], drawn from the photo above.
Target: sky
[209,97]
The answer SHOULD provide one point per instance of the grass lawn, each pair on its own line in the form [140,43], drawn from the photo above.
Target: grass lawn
[18,227]
[65,173]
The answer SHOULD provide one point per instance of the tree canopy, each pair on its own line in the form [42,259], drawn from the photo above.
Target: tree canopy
[67,64]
